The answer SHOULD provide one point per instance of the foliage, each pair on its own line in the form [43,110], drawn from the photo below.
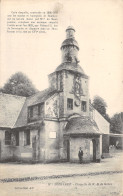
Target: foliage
[117,123]
[19,84]
[100,105]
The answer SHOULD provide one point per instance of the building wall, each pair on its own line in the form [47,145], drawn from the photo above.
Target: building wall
[87,146]
[64,81]
[52,141]
[35,114]
[6,151]
[35,150]
[62,145]
[43,147]
[52,107]
[21,152]
[61,105]
[75,144]
[69,92]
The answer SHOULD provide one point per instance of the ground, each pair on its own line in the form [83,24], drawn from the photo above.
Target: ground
[58,179]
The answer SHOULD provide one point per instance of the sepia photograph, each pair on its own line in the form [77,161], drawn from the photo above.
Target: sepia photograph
[61,98]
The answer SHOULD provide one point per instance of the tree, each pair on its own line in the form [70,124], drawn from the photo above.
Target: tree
[19,84]
[116,125]
[100,105]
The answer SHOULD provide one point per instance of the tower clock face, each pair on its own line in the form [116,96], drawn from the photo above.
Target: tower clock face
[77,102]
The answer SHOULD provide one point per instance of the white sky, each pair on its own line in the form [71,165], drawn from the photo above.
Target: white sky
[99,32]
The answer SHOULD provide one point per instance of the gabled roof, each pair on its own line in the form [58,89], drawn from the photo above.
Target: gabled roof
[13,109]
[41,96]
[10,107]
[37,98]
[82,125]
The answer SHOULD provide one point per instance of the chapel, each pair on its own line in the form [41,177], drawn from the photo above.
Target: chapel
[53,124]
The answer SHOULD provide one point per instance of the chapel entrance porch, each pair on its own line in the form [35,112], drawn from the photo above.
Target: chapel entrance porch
[89,144]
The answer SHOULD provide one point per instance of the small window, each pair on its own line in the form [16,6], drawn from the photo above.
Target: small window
[70,104]
[26,137]
[84,106]
[7,138]
[30,112]
[40,109]
[52,134]
[17,138]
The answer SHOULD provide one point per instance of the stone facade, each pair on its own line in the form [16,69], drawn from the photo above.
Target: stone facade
[53,124]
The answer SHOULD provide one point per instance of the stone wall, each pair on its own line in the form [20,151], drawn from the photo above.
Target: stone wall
[23,152]
[52,141]
[75,144]
[69,92]
[6,151]
[87,146]
[62,145]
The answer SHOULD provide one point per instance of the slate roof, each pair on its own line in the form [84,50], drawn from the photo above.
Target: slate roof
[10,107]
[39,97]
[13,109]
[71,67]
[70,42]
[82,125]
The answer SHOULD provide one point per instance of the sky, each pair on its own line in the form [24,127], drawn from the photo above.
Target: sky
[99,30]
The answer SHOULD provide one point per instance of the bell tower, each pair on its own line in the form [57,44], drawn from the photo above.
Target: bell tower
[70,47]
[70,80]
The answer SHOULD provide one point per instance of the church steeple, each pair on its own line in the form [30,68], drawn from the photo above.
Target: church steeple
[70,47]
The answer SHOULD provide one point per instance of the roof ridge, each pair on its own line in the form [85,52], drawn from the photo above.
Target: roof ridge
[6,94]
